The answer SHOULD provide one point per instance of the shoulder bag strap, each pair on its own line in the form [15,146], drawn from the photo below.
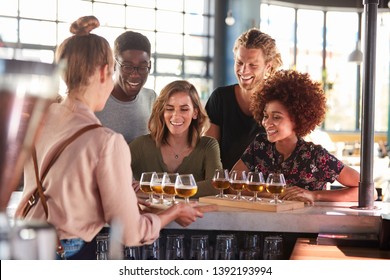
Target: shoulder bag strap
[38,193]
[64,145]
[39,182]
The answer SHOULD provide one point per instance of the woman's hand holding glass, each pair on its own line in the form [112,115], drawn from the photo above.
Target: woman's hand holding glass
[276,184]
[221,182]
[185,186]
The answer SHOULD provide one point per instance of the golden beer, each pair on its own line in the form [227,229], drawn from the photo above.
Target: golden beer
[169,189]
[145,188]
[157,189]
[186,191]
[238,186]
[255,187]
[221,184]
[275,188]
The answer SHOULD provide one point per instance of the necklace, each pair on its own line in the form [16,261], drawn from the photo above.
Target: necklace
[176,155]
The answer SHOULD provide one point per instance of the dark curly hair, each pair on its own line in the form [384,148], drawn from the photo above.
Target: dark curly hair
[131,40]
[303,98]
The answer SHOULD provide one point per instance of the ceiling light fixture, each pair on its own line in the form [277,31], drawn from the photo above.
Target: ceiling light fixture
[229,20]
[357,55]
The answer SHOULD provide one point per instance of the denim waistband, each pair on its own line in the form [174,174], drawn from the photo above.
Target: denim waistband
[72,246]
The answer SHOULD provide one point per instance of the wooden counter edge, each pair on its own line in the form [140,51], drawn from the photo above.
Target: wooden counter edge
[307,249]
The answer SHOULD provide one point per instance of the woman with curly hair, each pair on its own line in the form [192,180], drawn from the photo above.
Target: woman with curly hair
[175,143]
[289,106]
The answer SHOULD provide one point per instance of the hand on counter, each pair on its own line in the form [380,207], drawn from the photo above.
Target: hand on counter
[298,194]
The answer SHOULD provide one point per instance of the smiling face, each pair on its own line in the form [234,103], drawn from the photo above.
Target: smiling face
[127,86]
[249,67]
[277,122]
[179,112]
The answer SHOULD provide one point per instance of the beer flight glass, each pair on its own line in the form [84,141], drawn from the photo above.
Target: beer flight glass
[238,182]
[168,186]
[276,184]
[144,182]
[185,186]
[156,186]
[255,183]
[221,182]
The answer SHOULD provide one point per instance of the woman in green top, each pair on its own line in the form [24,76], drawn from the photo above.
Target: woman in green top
[175,142]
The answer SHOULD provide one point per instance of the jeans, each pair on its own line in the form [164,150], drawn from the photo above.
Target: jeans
[71,247]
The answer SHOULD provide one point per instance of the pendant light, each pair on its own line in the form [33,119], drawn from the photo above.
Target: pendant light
[230,20]
[357,55]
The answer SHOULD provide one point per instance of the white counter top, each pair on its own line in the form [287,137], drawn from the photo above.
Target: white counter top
[335,217]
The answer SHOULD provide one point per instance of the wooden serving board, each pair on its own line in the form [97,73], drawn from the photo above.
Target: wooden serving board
[263,205]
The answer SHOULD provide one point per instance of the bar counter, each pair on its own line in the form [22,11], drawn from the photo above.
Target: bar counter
[308,249]
[333,217]
[292,225]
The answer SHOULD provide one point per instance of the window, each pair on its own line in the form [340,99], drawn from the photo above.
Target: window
[304,50]
[340,75]
[179,30]
[282,33]
[382,86]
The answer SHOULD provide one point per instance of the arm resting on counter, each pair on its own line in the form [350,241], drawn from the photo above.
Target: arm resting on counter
[348,177]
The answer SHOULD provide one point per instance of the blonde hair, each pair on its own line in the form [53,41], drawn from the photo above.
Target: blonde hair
[83,53]
[157,126]
[255,39]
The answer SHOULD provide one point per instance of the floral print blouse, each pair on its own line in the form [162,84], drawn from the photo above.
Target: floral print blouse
[310,166]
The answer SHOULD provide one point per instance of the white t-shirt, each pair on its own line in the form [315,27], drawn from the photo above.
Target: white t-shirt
[128,118]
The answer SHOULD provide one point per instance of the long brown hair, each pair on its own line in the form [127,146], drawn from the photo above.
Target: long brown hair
[157,126]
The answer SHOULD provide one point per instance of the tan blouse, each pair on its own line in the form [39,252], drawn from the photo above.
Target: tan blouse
[90,183]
